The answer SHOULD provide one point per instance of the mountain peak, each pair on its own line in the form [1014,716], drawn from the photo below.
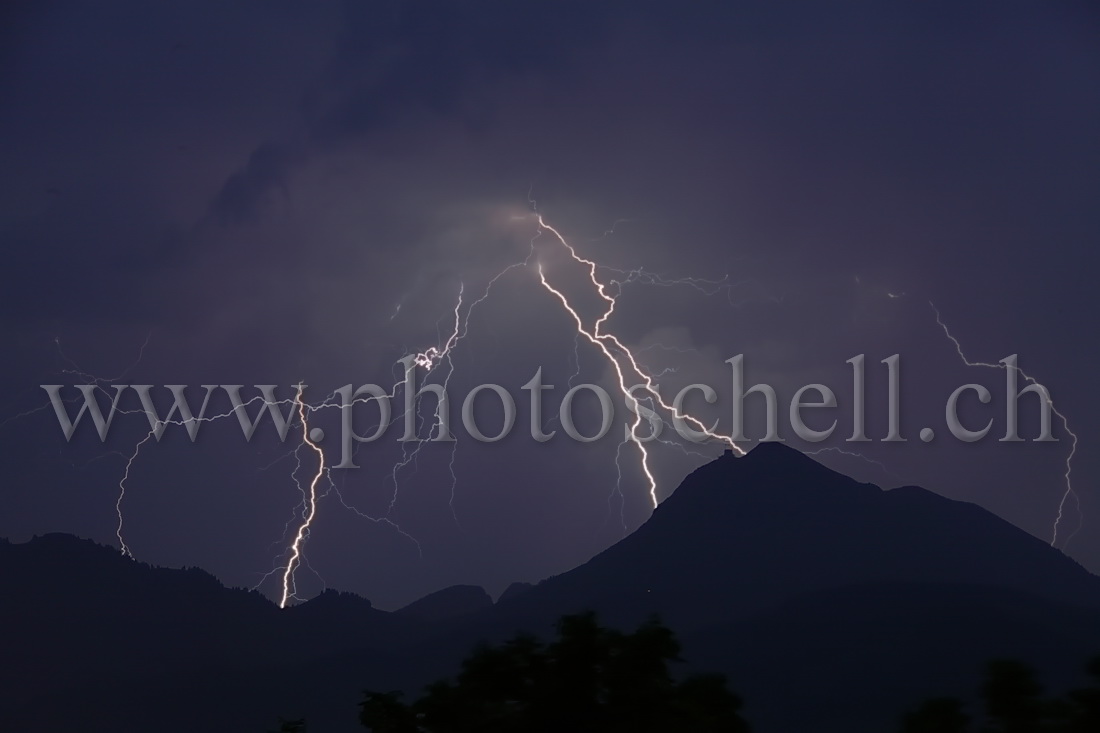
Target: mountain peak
[770,472]
[781,525]
[448,603]
[772,449]
[779,455]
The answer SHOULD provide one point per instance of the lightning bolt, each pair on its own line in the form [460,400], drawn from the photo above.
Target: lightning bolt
[1068,474]
[624,362]
[707,287]
[133,456]
[310,497]
[854,454]
[311,508]
[122,546]
[429,360]
[621,359]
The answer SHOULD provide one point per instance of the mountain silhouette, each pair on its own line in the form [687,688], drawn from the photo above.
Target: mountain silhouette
[832,605]
[740,535]
[514,590]
[450,603]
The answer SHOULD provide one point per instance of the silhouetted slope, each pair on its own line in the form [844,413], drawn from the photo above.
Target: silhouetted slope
[449,603]
[832,604]
[851,659]
[127,646]
[742,534]
[514,590]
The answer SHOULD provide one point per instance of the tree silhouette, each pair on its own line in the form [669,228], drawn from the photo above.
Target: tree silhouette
[1085,715]
[1013,698]
[1014,703]
[588,679]
[938,715]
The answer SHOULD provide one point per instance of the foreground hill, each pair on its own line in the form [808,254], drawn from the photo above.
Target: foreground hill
[831,604]
[741,535]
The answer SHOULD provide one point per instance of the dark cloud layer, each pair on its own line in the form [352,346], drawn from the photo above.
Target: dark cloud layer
[272,193]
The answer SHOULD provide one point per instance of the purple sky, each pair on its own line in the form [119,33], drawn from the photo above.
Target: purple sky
[256,189]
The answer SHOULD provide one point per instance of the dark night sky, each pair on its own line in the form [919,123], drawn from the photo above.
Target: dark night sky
[255,188]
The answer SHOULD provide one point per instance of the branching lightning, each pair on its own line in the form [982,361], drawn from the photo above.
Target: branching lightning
[1067,475]
[614,350]
[311,506]
[634,380]
[853,454]
[310,497]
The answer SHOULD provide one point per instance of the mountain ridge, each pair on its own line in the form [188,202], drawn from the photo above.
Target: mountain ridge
[798,582]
